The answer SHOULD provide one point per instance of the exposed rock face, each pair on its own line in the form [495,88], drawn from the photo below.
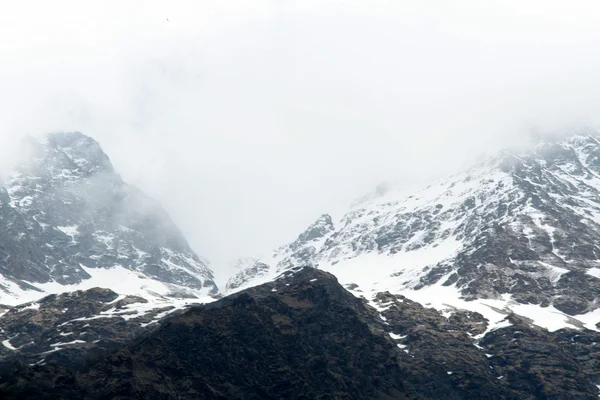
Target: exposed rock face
[434,343]
[531,361]
[65,212]
[304,337]
[527,361]
[584,347]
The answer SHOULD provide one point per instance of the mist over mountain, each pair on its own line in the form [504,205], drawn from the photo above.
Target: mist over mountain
[308,105]
[300,199]
[69,221]
[482,284]
[517,232]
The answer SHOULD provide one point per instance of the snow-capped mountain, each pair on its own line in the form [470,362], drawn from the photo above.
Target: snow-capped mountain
[459,281]
[518,232]
[68,222]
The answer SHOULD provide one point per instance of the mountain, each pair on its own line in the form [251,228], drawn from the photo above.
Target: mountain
[516,233]
[483,285]
[69,222]
[303,336]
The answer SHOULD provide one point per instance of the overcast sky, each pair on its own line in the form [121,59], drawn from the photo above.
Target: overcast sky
[249,119]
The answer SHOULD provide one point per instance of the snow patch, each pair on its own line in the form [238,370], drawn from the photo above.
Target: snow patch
[71,231]
[6,343]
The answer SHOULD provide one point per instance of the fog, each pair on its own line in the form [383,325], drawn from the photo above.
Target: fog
[247,120]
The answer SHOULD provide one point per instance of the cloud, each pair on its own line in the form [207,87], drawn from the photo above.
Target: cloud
[247,120]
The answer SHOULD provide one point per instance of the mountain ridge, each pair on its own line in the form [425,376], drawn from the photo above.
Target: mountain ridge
[519,231]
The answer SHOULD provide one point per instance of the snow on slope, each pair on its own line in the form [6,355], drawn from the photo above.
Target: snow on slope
[117,278]
[515,233]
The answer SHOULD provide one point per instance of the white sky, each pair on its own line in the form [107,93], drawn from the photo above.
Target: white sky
[248,119]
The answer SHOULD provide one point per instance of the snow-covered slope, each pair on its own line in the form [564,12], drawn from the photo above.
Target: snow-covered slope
[519,232]
[69,222]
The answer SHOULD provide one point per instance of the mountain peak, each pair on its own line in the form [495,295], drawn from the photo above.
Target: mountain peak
[317,229]
[82,150]
[67,218]
[66,156]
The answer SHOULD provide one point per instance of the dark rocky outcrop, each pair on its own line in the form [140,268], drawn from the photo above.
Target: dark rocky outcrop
[531,361]
[303,336]
[520,361]
[70,328]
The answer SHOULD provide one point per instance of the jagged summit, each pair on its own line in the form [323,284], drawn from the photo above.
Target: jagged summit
[317,230]
[68,221]
[519,231]
[76,151]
